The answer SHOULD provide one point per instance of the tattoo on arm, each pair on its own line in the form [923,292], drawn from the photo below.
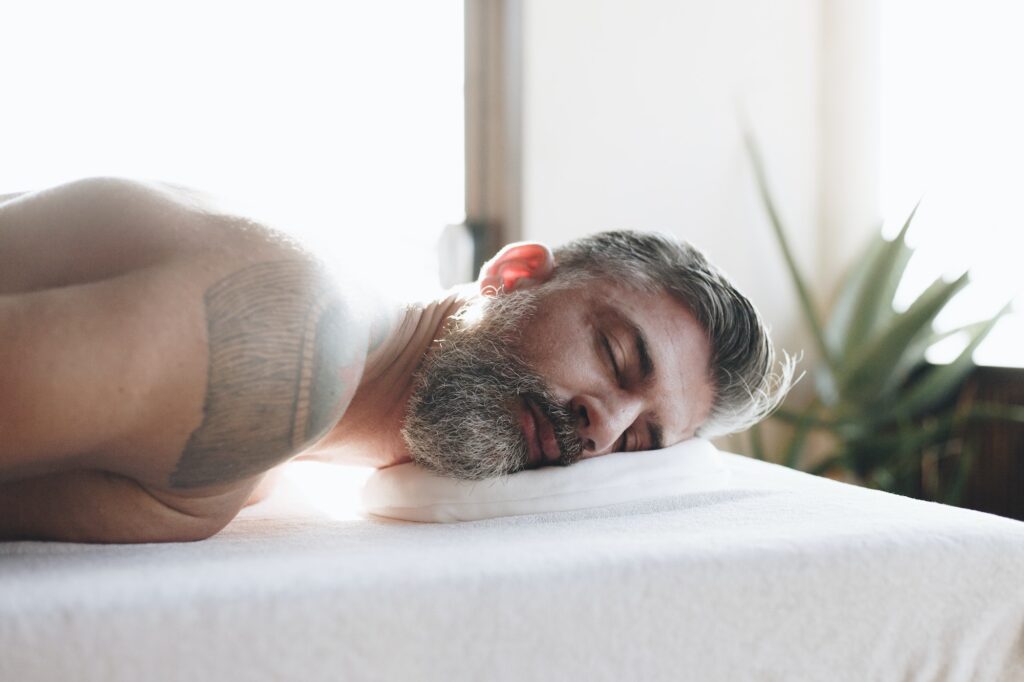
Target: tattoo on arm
[285,356]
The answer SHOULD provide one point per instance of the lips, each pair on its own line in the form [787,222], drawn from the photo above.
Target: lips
[540,436]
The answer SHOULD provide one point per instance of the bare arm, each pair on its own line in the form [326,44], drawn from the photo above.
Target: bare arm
[98,506]
[179,352]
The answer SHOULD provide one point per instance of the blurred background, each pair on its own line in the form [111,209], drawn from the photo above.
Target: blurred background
[408,140]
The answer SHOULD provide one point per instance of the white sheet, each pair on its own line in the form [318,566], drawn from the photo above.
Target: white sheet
[780,577]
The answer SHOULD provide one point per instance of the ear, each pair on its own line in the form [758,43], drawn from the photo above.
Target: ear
[518,265]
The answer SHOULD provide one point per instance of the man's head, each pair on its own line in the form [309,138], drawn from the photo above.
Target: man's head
[619,341]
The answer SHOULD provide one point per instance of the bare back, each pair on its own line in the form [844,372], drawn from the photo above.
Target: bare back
[156,358]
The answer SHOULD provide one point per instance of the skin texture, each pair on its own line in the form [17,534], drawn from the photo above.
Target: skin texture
[278,352]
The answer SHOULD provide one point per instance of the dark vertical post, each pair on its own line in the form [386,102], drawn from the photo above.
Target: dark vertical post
[493,32]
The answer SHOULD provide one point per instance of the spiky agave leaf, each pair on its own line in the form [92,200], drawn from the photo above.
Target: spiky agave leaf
[799,282]
[915,356]
[872,308]
[862,379]
[842,310]
[941,380]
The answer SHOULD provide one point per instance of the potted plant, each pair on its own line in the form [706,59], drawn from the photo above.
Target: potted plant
[891,416]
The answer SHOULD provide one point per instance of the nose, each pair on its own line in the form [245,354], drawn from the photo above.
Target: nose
[602,421]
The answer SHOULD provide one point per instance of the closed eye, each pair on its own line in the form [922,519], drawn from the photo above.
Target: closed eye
[611,357]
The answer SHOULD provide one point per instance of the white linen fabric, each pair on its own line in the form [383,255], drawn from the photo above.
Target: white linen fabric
[779,576]
[411,493]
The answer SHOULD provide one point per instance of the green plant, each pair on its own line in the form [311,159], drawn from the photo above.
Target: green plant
[886,411]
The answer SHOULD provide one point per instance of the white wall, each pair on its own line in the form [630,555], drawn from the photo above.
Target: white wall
[341,123]
[850,77]
[631,120]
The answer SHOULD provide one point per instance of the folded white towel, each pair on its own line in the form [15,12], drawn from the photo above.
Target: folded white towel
[411,493]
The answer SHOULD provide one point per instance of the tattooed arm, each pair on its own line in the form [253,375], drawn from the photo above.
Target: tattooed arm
[281,359]
[154,380]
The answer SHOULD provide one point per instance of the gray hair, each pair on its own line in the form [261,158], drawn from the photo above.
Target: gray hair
[747,385]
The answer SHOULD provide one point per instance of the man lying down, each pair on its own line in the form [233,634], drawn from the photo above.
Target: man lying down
[159,357]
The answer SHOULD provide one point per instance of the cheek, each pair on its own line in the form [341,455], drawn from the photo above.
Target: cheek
[564,361]
[557,343]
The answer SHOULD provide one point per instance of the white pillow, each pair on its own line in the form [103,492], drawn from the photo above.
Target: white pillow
[412,493]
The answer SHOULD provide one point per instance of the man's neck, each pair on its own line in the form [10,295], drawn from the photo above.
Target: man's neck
[370,431]
[401,337]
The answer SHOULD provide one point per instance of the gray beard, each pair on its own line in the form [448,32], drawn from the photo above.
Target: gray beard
[461,420]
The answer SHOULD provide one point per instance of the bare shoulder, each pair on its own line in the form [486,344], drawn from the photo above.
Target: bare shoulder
[196,349]
[98,228]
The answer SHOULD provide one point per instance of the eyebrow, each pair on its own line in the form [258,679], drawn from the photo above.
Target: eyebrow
[654,429]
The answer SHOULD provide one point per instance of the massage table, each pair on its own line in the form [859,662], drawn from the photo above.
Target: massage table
[775,575]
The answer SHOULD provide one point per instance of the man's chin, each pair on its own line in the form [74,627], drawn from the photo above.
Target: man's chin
[462,417]
[468,466]
[475,447]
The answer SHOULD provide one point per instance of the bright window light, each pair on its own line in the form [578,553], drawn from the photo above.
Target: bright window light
[340,122]
[953,134]
[334,490]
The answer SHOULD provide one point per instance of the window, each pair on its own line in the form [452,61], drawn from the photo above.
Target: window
[341,123]
[953,134]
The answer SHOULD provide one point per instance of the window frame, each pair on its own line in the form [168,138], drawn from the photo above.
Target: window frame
[493,124]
